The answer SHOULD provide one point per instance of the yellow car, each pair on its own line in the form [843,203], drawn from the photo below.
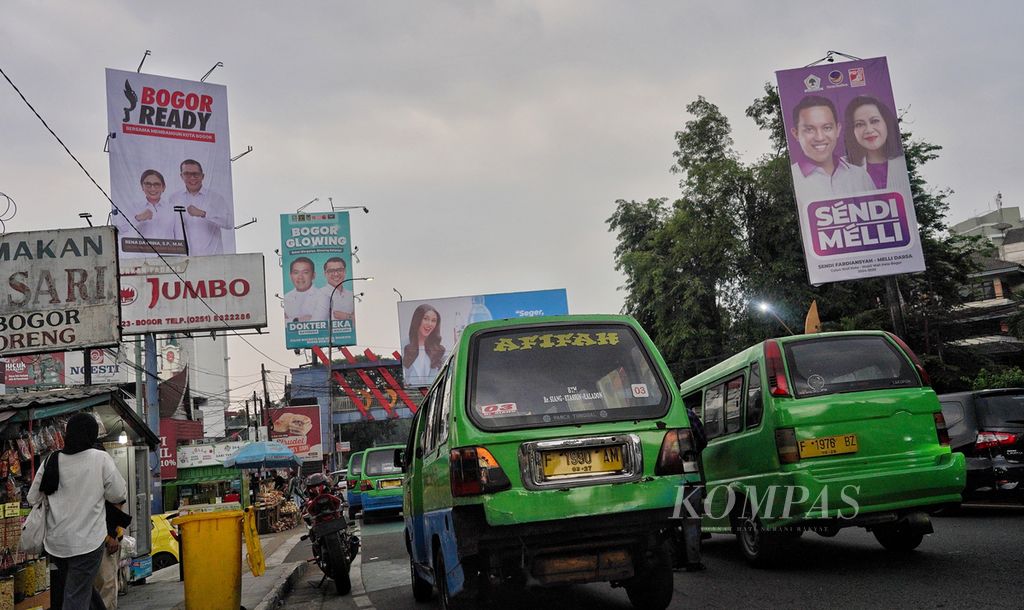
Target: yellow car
[165,541]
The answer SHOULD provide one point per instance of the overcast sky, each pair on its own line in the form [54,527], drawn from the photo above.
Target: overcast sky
[490,140]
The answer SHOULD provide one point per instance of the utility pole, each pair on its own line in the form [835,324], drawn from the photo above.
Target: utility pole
[266,395]
[258,414]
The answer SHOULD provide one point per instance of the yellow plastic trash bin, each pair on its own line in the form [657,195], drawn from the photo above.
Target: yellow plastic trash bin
[211,558]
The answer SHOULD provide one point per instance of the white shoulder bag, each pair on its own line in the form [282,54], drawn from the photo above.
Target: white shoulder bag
[33,530]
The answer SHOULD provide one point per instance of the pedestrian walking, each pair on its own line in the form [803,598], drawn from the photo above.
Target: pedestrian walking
[77,481]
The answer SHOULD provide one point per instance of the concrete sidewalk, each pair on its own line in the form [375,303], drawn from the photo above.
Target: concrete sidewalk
[164,591]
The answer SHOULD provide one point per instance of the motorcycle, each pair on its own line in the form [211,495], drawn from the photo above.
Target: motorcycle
[334,547]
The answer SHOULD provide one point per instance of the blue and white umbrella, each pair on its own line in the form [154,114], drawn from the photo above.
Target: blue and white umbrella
[263,454]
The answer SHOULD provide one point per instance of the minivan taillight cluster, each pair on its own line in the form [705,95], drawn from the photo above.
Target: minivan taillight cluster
[786,446]
[474,471]
[988,440]
[941,429]
[366,485]
[777,383]
[678,453]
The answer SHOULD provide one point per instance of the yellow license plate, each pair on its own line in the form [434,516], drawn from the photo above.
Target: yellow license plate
[828,445]
[391,483]
[573,462]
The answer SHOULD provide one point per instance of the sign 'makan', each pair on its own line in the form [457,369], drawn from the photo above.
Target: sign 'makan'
[59,290]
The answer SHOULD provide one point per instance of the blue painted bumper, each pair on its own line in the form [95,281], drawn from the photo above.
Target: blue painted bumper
[377,503]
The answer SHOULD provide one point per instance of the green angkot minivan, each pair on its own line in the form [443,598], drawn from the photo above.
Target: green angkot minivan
[821,432]
[551,451]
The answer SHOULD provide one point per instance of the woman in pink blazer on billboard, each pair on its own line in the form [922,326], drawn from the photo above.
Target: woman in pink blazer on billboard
[873,142]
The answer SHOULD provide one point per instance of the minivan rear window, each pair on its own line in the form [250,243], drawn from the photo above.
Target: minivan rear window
[557,375]
[379,463]
[834,365]
[1000,410]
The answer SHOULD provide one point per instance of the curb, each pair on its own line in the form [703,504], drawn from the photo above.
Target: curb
[284,584]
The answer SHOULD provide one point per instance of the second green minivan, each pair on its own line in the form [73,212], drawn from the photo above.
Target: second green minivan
[820,432]
[550,450]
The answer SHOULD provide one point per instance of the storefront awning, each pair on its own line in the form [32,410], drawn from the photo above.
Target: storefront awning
[205,474]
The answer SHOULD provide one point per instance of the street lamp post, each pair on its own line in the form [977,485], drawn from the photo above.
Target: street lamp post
[765,307]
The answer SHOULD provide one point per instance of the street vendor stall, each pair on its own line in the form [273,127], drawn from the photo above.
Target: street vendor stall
[32,426]
[275,512]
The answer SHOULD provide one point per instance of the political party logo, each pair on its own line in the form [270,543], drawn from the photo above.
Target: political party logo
[859,224]
[96,356]
[835,77]
[857,78]
[812,83]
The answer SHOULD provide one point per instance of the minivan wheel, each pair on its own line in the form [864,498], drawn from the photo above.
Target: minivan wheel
[444,598]
[422,591]
[652,589]
[897,537]
[759,547]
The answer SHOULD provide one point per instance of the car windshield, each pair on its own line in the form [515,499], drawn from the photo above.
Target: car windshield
[380,463]
[832,365]
[556,375]
[1001,410]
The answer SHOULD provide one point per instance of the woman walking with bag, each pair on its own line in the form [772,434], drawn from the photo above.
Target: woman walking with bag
[76,481]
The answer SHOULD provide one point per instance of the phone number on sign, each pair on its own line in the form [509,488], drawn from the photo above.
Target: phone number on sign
[228,317]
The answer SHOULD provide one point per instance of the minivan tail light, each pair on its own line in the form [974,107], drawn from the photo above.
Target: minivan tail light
[776,370]
[941,429]
[678,453]
[925,379]
[987,440]
[786,445]
[474,471]
[366,485]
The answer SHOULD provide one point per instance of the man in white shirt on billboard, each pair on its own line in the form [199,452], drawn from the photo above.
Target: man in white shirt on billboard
[208,213]
[822,174]
[340,299]
[304,303]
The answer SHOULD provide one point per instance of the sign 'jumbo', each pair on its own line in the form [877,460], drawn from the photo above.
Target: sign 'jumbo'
[193,294]
[849,173]
[59,290]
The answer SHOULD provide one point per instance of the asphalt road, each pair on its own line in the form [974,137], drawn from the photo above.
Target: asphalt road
[974,559]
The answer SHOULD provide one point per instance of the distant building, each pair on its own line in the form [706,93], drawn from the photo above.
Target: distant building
[993,225]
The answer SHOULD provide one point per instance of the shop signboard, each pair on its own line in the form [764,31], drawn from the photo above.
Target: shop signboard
[59,292]
[168,453]
[63,369]
[850,178]
[179,294]
[430,328]
[298,428]
[316,260]
[210,454]
[169,146]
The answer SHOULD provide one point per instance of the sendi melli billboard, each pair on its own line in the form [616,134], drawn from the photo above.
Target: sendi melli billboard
[59,290]
[850,177]
[298,428]
[193,293]
[430,328]
[169,146]
[316,260]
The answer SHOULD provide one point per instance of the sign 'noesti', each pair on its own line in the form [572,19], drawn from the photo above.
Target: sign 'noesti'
[60,290]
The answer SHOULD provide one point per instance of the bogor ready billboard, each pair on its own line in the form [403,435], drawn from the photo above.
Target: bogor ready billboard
[59,290]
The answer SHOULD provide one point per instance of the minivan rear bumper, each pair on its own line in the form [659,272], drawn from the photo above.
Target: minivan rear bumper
[920,482]
[561,551]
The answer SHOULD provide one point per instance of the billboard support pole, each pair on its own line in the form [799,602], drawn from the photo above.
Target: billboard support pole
[892,295]
[87,366]
[153,419]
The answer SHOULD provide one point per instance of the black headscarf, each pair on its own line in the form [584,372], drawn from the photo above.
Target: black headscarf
[81,434]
